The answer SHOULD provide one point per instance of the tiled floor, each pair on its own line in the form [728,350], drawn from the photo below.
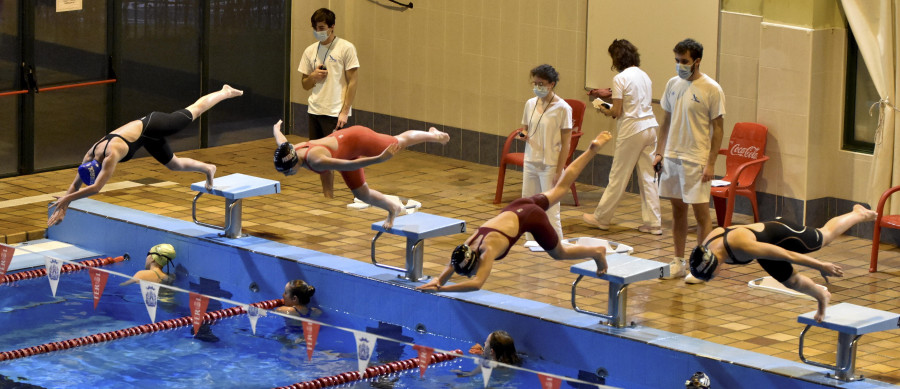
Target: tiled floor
[725,311]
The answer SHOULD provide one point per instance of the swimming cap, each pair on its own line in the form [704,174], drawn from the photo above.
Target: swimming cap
[162,253]
[464,260]
[88,172]
[703,263]
[698,380]
[285,157]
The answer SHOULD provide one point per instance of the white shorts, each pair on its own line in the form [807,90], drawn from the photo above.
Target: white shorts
[684,180]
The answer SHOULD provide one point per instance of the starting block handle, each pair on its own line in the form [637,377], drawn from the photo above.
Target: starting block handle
[375,262]
[617,295]
[845,357]
[229,210]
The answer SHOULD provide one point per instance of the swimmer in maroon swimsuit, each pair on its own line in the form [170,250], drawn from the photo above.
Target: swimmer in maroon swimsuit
[495,237]
[776,246]
[150,132]
[348,151]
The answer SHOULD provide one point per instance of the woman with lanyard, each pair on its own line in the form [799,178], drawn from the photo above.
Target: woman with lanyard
[548,133]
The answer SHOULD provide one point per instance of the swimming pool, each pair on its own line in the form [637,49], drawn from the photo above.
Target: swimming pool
[226,354]
[254,269]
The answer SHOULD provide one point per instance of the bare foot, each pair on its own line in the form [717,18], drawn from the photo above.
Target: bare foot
[590,219]
[442,137]
[210,173]
[231,92]
[867,214]
[602,267]
[395,210]
[823,300]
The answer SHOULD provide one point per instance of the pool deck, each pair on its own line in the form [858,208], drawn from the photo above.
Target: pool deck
[725,312]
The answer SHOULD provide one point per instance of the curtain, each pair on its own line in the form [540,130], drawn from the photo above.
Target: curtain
[874,23]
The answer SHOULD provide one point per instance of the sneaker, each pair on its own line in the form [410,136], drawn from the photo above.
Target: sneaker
[676,269]
[650,230]
[690,279]
[590,219]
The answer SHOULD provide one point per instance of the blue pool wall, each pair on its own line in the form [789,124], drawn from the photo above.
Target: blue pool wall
[635,357]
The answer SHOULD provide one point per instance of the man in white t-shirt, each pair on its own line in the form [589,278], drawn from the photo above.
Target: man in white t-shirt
[689,141]
[329,68]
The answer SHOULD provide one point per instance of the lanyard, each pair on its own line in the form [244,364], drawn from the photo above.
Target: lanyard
[325,57]
[531,117]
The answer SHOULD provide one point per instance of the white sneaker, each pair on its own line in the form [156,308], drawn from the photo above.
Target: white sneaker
[676,269]
[650,230]
[690,279]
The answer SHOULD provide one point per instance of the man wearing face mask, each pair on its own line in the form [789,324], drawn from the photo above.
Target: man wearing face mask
[689,141]
[329,68]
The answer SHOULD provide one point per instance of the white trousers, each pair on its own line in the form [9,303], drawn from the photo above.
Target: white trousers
[636,149]
[536,178]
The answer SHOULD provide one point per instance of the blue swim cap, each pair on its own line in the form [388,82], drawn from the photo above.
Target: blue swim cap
[89,171]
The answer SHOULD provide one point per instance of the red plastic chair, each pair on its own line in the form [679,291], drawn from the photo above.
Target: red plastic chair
[507,158]
[744,159]
[886,221]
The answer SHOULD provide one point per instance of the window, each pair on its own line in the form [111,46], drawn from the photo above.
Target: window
[859,127]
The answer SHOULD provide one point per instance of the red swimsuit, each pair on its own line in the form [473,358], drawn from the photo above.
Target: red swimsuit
[532,215]
[353,142]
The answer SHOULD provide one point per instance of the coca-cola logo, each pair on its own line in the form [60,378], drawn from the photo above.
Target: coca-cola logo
[751,152]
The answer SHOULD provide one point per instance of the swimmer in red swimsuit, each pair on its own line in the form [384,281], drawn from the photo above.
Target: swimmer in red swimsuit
[348,151]
[495,237]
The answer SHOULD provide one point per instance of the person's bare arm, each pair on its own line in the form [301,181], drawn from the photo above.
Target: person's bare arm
[74,193]
[710,171]
[663,138]
[322,162]
[775,253]
[349,95]
[309,81]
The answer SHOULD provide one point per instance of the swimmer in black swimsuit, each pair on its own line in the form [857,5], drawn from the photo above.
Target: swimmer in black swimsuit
[149,132]
[496,236]
[777,245]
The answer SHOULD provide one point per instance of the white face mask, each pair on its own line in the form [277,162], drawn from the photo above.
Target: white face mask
[540,91]
[321,36]
[684,71]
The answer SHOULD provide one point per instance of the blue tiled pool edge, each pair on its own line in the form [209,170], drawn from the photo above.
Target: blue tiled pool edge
[646,356]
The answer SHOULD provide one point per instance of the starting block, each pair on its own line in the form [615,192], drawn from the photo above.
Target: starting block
[623,270]
[233,188]
[851,322]
[416,228]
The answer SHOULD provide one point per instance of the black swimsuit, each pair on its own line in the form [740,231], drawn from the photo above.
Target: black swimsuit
[781,233]
[156,127]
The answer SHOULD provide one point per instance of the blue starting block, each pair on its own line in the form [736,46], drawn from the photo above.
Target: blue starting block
[233,188]
[623,269]
[851,322]
[32,253]
[416,228]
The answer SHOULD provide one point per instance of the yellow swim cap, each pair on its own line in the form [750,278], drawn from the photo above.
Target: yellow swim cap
[162,253]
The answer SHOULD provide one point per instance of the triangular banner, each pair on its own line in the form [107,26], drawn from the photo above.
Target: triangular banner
[424,357]
[254,313]
[365,344]
[199,303]
[98,283]
[6,255]
[150,292]
[487,367]
[311,334]
[53,269]
[548,382]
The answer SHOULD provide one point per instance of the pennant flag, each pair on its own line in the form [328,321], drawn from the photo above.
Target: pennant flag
[487,367]
[254,313]
[365,344]
[199,303]
[53,269]
[150,292]
[6,255]
[98,283]
[548,382]
[311,334]
[424,357]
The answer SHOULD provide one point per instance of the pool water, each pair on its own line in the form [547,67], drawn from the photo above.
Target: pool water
[226,355]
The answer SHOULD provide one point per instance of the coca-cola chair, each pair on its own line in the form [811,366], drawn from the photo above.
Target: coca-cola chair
[885,221]
[507,158]
[744,158]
